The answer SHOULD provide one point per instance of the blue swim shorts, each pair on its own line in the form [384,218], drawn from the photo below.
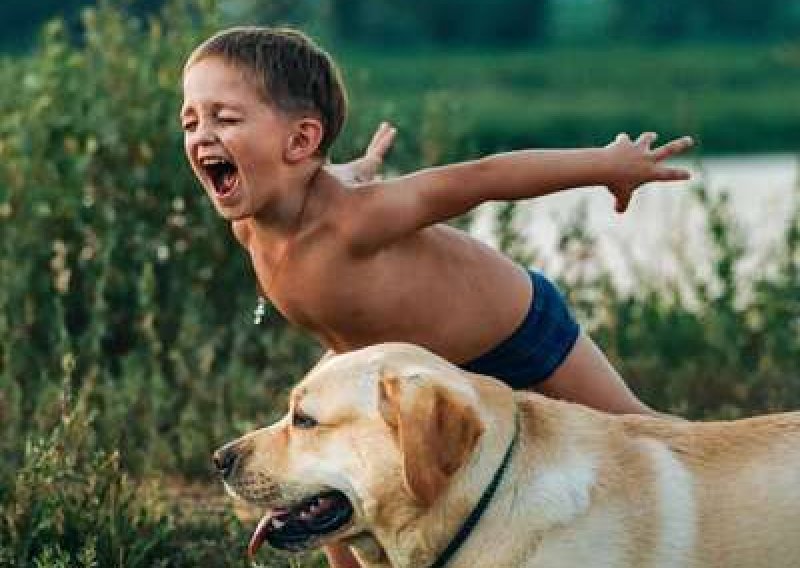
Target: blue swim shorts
[538,346]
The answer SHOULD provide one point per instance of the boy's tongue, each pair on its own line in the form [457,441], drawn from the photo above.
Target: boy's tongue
[226,183]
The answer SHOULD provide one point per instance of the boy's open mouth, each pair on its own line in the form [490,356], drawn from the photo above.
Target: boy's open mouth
[223,175]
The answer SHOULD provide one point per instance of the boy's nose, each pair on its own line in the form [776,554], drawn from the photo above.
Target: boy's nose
[204,135]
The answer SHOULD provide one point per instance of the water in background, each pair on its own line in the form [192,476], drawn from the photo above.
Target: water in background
[664,221]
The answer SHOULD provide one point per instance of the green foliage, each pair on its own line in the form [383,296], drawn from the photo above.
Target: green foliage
[450,23]
[731,99]
[680,20]
[68,504]
[441,22]
[112,258]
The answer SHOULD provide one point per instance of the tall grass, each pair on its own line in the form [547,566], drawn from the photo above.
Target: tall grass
[61,478]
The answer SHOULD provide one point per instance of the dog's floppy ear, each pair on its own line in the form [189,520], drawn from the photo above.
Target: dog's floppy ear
[435,428]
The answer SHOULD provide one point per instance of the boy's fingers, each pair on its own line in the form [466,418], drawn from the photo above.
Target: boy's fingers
[382,144]
[646,139]
[385,130]
[382,139]
[674,147]
[623,137]
[672,174]
[377,135]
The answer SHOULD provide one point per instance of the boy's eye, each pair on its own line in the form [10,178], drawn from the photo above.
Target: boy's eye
[302,420]
[189,125]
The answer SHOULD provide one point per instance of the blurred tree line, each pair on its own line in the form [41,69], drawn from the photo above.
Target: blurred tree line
[706,19]
[453,23]
[22,19]
[523,22]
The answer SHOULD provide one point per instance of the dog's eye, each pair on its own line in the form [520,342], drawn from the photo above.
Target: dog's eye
[300,420]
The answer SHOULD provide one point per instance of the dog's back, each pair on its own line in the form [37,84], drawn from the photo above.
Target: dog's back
[744,490]
[666,493]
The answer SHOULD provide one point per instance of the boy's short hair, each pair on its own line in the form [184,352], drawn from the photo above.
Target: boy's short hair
[288,68]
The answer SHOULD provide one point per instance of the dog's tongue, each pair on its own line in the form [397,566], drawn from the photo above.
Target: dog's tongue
[260,534]
[277,519]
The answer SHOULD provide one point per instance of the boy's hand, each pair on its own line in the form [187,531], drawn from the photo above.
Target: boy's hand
[365,168]
[634,163]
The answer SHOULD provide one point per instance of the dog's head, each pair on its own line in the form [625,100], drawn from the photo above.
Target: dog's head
[371,438]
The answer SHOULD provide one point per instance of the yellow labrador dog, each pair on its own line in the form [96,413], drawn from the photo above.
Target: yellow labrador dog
[416,463]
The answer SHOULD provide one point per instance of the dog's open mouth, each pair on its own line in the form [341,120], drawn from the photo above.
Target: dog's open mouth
[301,526]
[223,175]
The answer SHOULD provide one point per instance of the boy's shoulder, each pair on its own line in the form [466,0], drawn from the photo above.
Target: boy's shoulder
[353,215]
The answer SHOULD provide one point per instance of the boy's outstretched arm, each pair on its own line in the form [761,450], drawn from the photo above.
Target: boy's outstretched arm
[408,203]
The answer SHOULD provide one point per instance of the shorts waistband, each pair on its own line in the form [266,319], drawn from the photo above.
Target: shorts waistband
[539,344]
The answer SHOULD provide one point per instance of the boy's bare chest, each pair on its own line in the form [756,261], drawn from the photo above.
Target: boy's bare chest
[414,292]
[349,300]
[317,288]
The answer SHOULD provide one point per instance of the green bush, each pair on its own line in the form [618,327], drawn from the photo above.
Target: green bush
[731,98]
[69,504]
[112,258]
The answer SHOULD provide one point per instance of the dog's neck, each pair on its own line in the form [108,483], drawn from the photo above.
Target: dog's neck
[547,493]
[557,498]
[477,512]
[422,536]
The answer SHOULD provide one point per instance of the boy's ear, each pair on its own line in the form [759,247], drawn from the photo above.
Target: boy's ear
[304,139]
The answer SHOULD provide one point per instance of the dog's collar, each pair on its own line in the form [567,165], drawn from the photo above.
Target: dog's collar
[476,514]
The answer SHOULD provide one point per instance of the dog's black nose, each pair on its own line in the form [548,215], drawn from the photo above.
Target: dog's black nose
[224,459]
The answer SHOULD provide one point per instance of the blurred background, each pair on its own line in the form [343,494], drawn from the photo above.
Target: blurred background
[127,350]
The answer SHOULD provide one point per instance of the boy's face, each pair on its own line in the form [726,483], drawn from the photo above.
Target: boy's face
[234,141]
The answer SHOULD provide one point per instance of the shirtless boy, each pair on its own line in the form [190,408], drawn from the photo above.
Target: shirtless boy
[363,263]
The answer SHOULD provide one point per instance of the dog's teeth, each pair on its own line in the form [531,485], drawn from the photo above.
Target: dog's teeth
[277,523]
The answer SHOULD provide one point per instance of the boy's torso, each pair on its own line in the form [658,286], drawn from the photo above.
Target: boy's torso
[438,287]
